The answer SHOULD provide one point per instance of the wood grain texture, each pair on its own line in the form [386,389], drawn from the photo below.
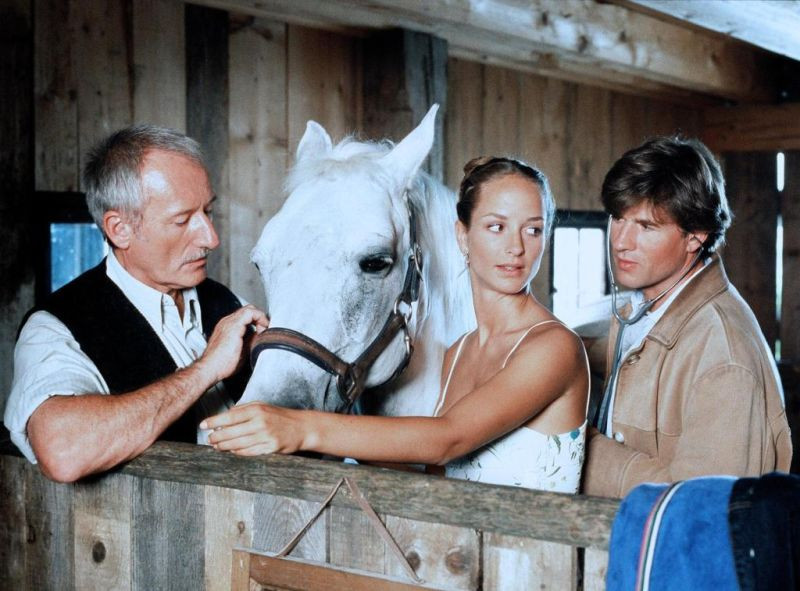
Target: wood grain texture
[13,524]
[463,132]
[292,574]
[102,65]
[56,97]
[441,555]
[207,110]
[159,63]
[258,146]
[752,128]
[576,520]
[49,551]
[168,538]
[512,563]
[228,524]
[576,40]
[102,510]
[324,83]
[595,567]
[753,197]
[354,543]
[276,519]
[405,72]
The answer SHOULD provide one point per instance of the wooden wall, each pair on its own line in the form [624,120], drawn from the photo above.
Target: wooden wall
[98,66]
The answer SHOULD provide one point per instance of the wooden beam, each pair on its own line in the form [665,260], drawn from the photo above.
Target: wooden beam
[770,25]
[405,72]
[576,520]
[577,40]
[752,128]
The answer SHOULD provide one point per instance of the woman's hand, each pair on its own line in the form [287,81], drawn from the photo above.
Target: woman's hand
[254,429]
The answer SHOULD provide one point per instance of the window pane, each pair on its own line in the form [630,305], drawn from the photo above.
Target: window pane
[74,248]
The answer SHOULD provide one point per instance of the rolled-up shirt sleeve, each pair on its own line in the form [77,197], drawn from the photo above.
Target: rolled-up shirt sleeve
[47,362]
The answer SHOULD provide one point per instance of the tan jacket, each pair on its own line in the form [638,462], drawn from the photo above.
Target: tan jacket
[700,396]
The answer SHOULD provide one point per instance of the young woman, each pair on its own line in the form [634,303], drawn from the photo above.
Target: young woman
[513,404]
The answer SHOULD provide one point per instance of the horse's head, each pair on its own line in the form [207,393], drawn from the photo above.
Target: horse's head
[334,259]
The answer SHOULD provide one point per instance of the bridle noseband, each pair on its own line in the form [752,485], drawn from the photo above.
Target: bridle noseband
[351,377]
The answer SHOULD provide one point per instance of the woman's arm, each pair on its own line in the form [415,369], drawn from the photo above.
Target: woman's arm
[538,373]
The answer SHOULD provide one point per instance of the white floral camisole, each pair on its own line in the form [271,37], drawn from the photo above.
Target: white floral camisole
[524,457]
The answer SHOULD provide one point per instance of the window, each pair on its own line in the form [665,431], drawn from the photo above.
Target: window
[70,242]
[578,275]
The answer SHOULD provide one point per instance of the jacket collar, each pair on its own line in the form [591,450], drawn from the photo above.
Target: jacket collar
[709,282]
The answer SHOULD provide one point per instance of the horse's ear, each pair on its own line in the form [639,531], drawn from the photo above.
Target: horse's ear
[315,142]
[407,156]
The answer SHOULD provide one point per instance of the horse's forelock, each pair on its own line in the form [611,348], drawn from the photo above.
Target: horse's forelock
[348,156]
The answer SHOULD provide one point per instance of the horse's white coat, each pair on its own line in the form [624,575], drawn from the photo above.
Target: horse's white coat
[345,203]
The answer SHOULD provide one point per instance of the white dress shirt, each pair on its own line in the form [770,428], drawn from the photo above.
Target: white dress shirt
[48,361]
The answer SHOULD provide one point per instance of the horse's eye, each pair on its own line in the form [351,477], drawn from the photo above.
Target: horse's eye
[375,264]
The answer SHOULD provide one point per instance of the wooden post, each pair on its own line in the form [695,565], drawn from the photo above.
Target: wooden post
[749,255]
[16,176]
[405,72]
[207,107]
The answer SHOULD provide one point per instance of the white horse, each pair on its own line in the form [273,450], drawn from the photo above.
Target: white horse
[334,259]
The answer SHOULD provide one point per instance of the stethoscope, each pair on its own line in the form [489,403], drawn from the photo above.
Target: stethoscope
[601,417]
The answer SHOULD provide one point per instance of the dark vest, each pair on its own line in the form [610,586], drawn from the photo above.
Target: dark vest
[121,343]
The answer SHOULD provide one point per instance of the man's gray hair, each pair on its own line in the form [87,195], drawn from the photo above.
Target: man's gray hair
[112,177]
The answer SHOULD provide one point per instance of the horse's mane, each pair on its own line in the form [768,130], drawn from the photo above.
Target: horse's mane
[449,311]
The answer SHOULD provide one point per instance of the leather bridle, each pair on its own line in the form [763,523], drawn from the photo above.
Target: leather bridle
[351,377]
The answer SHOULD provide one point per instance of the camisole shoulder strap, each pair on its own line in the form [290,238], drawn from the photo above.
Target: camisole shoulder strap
[585,354]
[450,375]
[522,338]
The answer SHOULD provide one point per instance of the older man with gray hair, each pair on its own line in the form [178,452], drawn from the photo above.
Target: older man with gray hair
[144,346]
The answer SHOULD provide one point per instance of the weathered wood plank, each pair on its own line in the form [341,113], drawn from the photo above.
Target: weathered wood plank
[324,83]
[159,63]
[511,563]
[240,571]
[49,553]
[258,146]
[169,538]
[301,575]
[441,555]
[575,40]
[595,567]
[277,518]
[500,115]
[353,542]
[16,176]
[549,516]
[770,25]
[405,72]
[207,109]
[101,60]
[56,94]
[589,147]
[464,134]
[102,509]
[749,128]
[228,524]
[13,525]
[751,188]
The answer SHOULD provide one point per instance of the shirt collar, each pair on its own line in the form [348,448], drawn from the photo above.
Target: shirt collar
[150,302]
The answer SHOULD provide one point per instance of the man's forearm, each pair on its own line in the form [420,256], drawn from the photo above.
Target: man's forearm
[73,436]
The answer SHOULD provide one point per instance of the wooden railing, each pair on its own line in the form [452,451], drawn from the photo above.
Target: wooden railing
[174,517]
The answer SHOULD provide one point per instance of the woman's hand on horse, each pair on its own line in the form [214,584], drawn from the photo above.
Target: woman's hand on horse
[224,353]
[254,429]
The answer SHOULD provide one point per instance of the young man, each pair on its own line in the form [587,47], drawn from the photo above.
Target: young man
[692,388]
[145,325]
